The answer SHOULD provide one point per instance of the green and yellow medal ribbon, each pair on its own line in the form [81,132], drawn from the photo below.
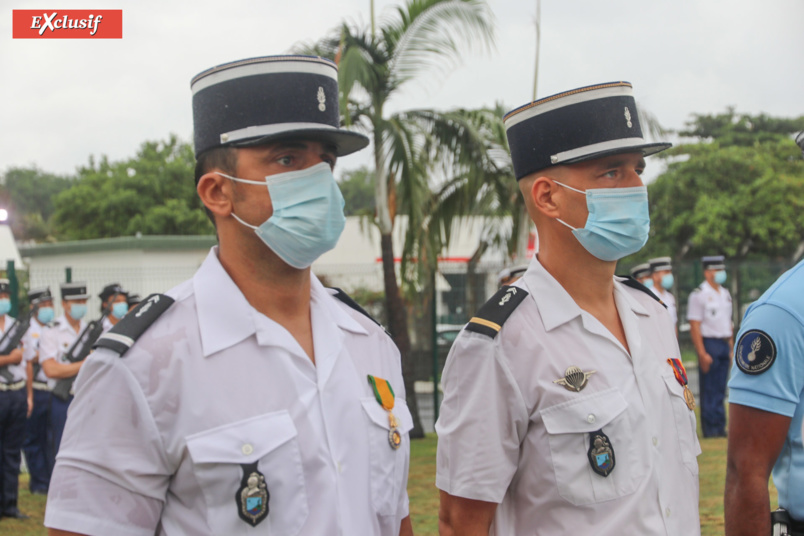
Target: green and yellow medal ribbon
[384,394]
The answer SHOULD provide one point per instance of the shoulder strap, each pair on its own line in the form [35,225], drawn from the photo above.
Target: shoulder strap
[633,283]
[126,332]
[345,298]
[493,314]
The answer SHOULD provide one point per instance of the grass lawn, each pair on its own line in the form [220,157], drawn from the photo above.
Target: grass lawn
[424,495]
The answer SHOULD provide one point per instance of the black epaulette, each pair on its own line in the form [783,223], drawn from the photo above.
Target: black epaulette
[345,298]
[493,314]
[123,335]
[633,283]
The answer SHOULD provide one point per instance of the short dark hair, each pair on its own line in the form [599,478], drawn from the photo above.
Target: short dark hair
[222,158]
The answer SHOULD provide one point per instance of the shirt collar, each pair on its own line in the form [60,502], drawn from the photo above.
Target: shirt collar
[555,305]
[222,308]
[64,324]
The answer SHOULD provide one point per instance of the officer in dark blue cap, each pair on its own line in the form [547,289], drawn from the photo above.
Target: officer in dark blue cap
[565,404]
[251,394]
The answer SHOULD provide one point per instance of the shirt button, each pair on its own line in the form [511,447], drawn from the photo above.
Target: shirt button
[590,418]
[667,512]
[247,449]
[655,441]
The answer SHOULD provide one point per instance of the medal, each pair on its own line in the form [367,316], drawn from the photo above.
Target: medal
[681,376]
[601,453]
[384,394]
[252,497]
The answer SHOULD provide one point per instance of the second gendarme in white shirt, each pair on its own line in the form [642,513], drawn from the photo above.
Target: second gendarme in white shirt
[567,431]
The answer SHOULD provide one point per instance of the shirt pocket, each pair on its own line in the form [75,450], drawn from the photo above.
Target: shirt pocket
[686,425]
[568,426]
[271,440]
[388,466]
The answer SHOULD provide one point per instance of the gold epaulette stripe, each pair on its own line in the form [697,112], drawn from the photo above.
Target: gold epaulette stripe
[484,322]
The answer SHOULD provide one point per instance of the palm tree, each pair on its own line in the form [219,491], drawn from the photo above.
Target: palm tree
[417,38]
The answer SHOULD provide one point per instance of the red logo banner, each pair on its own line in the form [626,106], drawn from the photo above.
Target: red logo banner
[68,24]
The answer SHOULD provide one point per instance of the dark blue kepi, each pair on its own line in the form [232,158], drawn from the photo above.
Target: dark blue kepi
[578,125]
[259,100]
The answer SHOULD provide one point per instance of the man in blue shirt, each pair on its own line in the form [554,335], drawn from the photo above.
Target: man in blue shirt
[766,408]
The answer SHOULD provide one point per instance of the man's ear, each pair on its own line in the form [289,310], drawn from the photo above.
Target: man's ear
[542,195]
[216,193]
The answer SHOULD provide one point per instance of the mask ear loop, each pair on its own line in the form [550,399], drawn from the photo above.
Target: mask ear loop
[559,220]
[235,216]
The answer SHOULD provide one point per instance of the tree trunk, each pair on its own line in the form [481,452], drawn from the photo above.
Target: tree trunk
[398,326]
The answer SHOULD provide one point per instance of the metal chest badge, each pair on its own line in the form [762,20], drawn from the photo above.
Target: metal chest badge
[601,453]
[574,379]
[681,376]
[384,394]
[252,497]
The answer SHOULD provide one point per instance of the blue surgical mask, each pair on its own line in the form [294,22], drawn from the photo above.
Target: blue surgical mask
[648,283]
[78,311]
[45,315]
[720,277]
[667,281]
[119,310]
[308,214]
[618,223]
[5,305]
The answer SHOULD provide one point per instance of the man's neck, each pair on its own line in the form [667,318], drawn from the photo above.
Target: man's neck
[75,324]
[273,288]
[590,282]
[714,285]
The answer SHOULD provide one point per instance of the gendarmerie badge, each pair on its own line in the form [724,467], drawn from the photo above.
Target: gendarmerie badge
[601,453]
[574,379]
[681,377]
[756,352]
[252,497]
[384,394]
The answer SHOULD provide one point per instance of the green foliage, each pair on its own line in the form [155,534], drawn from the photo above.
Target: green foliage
[357,187]
[739,192]
[152,193]
[29,193]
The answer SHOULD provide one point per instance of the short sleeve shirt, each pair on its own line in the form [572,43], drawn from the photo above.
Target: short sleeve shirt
[30,347]
[17,370]
[712,308]
[669,301]
[157,441]
[768,374]
[509,434]
[56,340]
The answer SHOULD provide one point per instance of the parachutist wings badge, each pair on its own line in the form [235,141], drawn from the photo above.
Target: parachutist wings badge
[574,379]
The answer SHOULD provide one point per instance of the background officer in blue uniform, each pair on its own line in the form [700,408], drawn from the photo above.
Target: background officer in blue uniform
[766,409]
[13,409]
[709,313]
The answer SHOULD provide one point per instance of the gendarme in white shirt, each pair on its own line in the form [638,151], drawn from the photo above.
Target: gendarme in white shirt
[508,434]
[155,439]
[669,300]
[712,308]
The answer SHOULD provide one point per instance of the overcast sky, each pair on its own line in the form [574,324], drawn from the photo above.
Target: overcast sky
[64,100]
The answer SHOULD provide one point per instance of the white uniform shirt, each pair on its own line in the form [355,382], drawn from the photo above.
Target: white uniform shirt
[30,347]
[508,434]
[155,439]
[55,340]
[669,300]
[16,370]
[712,308]
[106,324]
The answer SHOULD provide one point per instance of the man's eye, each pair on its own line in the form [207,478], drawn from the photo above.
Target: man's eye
[612,174]
[285,160]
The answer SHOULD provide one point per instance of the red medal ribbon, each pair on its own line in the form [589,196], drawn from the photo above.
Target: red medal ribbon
[679,370]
